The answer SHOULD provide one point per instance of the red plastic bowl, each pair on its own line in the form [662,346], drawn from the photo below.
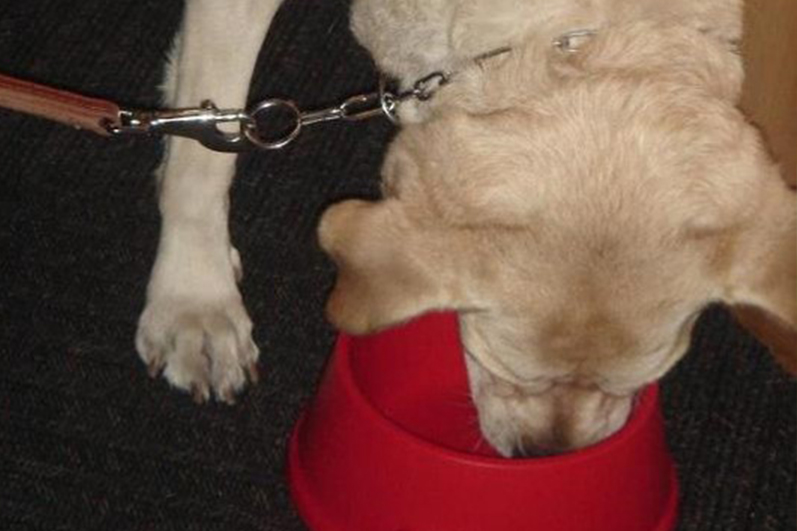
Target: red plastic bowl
[391,443]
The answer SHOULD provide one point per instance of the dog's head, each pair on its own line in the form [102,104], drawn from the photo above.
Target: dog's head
[579,233]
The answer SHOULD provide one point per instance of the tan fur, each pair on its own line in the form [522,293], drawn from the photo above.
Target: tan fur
[578,210]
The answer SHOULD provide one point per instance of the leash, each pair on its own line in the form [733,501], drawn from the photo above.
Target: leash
[91,114]
[107,118]
[202,123]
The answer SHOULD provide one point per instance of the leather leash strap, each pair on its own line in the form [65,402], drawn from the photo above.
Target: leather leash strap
[68,108]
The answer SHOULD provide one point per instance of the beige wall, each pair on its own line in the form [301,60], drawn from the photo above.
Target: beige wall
[770,90]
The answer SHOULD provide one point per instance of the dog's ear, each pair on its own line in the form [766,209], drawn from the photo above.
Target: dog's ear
[389,269]
[763,282]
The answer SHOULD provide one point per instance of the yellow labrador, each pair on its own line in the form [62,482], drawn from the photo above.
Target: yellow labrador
[578,204]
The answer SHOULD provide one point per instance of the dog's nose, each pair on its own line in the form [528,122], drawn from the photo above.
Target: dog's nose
[528,447]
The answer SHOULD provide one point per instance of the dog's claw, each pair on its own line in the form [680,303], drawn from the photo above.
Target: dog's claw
[154,368]
[200,394]
[253,373]
[227,397]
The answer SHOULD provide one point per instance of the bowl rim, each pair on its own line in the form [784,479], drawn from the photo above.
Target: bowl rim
[315,515]
[645,407]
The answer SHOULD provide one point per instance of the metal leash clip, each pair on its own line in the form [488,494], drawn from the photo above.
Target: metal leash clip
[202,123]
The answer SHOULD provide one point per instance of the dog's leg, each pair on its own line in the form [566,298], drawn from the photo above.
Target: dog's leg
[195,327]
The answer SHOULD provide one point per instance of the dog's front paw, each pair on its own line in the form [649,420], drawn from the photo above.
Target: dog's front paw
[195,329]
[199,347]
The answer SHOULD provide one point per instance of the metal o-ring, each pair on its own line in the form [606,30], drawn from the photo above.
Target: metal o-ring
[251,132]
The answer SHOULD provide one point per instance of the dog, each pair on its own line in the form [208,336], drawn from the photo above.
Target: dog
[581,189]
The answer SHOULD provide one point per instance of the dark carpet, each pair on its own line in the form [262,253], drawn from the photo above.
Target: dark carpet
[88,441]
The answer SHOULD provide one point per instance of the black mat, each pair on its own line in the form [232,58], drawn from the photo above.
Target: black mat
[88,441]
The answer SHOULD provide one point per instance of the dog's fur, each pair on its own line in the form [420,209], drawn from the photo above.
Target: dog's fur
[578,209]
